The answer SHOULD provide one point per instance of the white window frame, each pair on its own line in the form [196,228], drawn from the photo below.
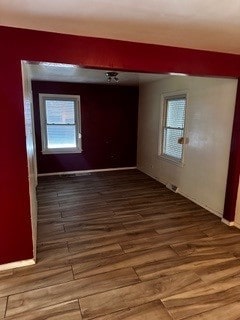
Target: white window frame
[42,98]
[164,98]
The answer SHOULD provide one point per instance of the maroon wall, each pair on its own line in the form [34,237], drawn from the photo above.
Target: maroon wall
[109,127]
[234,165]
[20,44]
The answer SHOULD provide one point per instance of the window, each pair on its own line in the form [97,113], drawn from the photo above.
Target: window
[60,123]
[173,127]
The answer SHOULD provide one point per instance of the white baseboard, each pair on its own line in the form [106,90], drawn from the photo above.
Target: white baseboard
[17,264]
[84,171]
[216,213]
[235,224]
[165,182]
[229,223]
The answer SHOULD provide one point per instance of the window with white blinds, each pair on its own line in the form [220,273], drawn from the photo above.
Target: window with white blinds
[60,123]
[173,127]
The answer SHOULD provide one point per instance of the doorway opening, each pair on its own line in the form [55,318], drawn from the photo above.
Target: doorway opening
[124,125]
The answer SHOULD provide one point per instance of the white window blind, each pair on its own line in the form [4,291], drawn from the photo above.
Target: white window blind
[60,123]
[173,127]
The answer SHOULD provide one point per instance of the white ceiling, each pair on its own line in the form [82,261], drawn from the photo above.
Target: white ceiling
[202,24]
[73,73]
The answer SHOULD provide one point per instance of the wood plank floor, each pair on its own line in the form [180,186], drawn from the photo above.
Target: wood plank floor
[119,245]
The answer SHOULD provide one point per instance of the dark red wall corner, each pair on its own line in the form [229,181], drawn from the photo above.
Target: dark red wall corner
[234,165]
[15,220]
[109,127]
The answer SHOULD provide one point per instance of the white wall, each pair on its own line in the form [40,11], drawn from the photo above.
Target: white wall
[31,149]
[209,118]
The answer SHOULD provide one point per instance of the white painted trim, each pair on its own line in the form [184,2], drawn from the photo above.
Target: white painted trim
[17,264]
[229,223]
[84,171]
[43,121]
[31,152]
[163,107]
[235,224]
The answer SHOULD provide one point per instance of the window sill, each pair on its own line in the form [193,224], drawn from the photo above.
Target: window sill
[173,161]
[61,151]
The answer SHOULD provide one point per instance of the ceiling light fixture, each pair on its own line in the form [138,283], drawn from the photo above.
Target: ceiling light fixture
[112,75]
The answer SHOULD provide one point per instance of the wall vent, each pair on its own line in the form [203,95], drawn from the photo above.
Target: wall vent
[172,187]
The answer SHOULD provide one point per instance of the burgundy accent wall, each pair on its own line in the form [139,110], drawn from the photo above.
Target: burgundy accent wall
[109,127]
[21,44]
[234,165]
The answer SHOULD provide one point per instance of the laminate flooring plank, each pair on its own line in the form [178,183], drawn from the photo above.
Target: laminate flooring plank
[92,226]
[219,271]
[56,216]
[84,234]
[209,267]
[74,245]
[218,228]
[149,311]
[110,217]
[160,240]
[95,254]
[20,283]
[88,213]
[121,261]
[136,295]
[48,208]
[228,242]
[3,304]
[200,300]
[52,250]
[40,298]
[161,223]
[45,229]
[203,246]
[83,204]
[65,311]
[228,311]
[79,197]
[48,259]
[6,273]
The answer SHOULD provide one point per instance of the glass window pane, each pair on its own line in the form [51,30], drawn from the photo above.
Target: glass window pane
[171,146]
[61,136]
[60,111]
[175,113]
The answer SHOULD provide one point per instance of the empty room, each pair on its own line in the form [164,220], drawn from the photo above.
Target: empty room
[120,160]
